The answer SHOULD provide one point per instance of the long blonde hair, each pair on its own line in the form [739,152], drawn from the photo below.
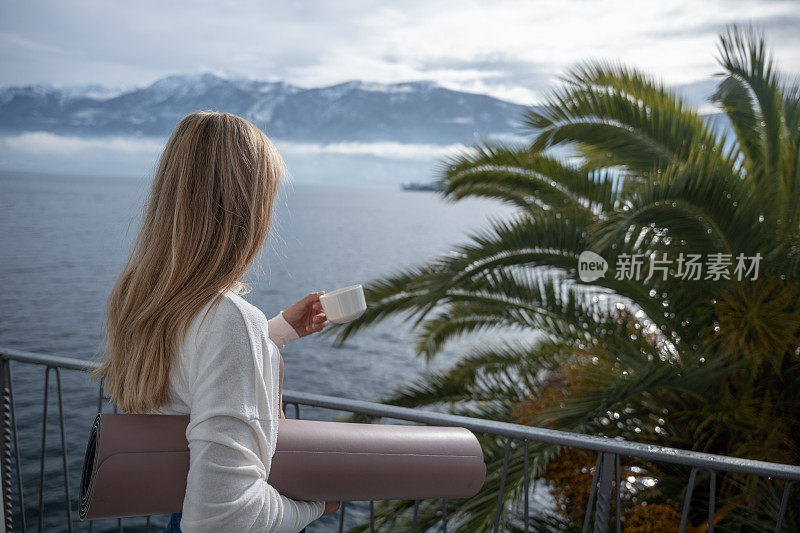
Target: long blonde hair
[207,217]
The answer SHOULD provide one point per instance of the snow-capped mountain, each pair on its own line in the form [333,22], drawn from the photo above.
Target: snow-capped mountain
[355,111]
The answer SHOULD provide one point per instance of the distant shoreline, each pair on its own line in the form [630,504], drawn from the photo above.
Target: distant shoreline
[421,187]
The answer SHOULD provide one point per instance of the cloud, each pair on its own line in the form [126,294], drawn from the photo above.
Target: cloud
[512,49]
[386,150]
[9,39]
[775,22]
[44,143]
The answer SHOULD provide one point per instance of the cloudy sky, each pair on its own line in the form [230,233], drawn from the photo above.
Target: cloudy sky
[509,49]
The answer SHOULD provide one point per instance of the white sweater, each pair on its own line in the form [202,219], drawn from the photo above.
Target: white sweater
[227,382]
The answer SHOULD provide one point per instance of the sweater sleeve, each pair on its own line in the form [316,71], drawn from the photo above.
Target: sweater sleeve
[280,331]
[232,432]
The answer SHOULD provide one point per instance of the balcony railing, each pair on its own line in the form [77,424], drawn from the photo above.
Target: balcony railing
[606,484]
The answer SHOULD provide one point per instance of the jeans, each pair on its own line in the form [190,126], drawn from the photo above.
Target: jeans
[174,525]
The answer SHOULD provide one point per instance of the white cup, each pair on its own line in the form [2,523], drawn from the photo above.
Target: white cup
[344,305]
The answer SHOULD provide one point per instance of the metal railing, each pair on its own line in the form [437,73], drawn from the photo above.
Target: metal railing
[606,483]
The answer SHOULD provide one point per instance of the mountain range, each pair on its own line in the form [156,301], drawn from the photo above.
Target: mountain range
[416,112]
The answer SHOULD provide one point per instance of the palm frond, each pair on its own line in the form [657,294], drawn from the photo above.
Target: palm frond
[526,179]
[699,204]
[505,372]
[637,122]
[752,82]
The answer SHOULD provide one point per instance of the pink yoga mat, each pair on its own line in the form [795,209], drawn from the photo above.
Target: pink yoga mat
[136,465]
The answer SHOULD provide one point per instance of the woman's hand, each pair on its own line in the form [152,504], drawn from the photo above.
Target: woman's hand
[306,316]
[331,507]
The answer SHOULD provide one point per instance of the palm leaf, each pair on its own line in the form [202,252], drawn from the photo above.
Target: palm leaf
[637,122]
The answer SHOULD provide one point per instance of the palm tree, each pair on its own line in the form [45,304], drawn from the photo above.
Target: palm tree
[704,361]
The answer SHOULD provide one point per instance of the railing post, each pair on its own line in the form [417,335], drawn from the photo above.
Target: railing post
[5,446]
[63,428]
[587,518]
[40,525]
[526,487]
[601,487]
[499,511]
[784,500]
[688,499]
[606,477]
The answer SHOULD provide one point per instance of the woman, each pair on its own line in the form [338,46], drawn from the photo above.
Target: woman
[181,339]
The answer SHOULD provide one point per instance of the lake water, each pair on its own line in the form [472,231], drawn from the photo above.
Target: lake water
[64,239]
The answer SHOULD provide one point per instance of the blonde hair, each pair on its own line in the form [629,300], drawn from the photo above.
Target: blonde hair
[207,217]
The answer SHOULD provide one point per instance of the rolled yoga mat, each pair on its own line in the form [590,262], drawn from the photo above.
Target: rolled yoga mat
[136,465]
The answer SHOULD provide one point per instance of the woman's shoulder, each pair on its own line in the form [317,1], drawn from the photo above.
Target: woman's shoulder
[231,308]
[232,302]
[229,315]
[233,327]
